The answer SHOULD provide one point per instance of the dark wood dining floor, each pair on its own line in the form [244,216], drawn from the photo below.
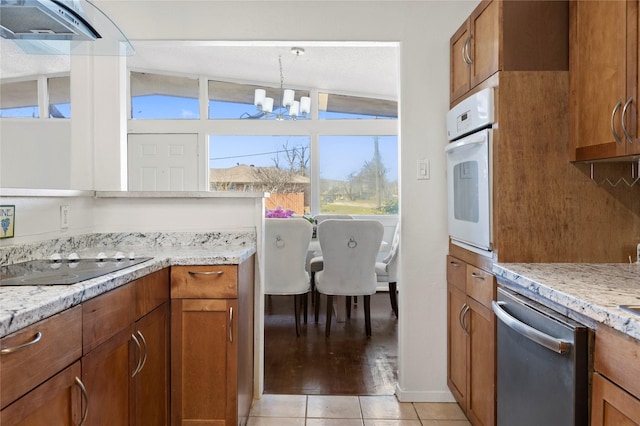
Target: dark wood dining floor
[345,363]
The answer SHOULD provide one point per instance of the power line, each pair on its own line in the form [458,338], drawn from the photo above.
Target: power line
[256,155]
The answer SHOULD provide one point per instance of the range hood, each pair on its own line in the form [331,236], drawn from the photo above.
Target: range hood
[61,27]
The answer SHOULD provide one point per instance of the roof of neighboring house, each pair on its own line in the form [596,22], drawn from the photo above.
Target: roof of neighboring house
[243,173]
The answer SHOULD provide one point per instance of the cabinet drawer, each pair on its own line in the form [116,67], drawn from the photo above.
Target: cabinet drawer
[204,281]
[617,357]
[480,285]
[456,272]
[24,368]
[151,292]
[105,315]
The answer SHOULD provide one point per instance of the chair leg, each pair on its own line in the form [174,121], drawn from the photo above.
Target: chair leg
[313,287]
[348,302]
[296,314]
[305,300]
[367,315]
[393,295]
[327,330]
[317,305]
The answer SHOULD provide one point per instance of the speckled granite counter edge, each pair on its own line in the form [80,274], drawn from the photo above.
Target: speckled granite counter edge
[583,301]
[24,305]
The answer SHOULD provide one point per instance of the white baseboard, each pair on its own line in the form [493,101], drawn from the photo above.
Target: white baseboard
[424,396]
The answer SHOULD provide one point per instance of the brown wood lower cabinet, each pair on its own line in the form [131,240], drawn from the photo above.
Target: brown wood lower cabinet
[471,336]
[55,402]
[211,344]
[615,397]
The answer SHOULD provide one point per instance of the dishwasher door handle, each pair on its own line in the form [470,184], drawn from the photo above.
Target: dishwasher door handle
[549,342]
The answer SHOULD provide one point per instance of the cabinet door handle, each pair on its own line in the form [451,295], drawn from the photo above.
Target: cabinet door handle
[465,51]
[144,348]
[85,395]
[477,276]
[461,315]
[624,120]
[231,324]
[137,343]
[206,272]
[35,340]
[613,129]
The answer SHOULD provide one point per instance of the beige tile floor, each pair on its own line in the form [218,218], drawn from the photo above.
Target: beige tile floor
[317,410]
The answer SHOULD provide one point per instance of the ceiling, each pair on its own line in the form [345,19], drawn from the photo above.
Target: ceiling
[358,69]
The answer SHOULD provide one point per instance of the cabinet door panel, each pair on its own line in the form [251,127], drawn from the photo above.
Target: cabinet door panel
[485,41]
[106,373]
[481,396]
[204,361]
[598,66]
[457,341]
[151,383]
[460,69]
[612,406]
[56,401]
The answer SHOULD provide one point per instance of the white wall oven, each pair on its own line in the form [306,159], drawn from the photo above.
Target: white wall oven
[469,172]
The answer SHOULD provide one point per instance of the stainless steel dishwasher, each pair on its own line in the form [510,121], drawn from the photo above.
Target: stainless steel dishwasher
[542,365]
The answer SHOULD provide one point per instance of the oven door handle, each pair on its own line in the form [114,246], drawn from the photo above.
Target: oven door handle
[549,342]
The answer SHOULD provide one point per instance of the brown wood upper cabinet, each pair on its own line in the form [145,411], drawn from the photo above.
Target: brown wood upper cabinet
[508,36]
[604,79]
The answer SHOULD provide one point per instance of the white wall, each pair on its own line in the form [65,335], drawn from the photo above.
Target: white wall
[423,28]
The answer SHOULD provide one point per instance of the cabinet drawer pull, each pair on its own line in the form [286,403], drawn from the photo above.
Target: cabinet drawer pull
[85,395]
[35,340]
[231,324]
[454,264]
[477,276]
[624,120]
[613,129]
[206,272]
[139,366]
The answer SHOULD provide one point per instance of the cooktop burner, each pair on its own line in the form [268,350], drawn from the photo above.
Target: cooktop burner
[63,272]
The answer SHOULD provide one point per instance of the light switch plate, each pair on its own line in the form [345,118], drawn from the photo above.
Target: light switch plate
[423,169]
[64,217]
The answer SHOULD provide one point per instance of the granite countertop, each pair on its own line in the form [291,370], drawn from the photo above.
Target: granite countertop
[589,293]
[21,306]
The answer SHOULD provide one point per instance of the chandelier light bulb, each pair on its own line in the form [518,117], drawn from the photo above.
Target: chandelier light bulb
[295,109]
[259,97]
[305,105]
[287,98]
[267,106]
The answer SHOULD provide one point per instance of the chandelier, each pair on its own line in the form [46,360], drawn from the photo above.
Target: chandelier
[287,108]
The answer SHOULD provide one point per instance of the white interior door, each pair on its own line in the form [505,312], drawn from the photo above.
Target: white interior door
[163,162]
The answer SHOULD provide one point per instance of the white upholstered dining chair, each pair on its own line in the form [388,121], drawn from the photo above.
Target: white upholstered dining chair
[286,242]
[387,270]
[349,249]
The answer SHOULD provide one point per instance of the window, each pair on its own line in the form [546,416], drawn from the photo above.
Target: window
[155,96]
[332,106]
[59,97]
[359,174]
[233,100]
[275,164]
[19,99]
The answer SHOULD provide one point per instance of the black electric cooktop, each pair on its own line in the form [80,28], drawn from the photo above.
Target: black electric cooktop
[61,272]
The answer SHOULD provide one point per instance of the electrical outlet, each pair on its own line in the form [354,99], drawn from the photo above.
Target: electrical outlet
[64,217]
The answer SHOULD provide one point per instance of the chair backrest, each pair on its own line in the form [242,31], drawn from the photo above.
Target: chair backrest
[286,243]
[322,217]
[392,257]
[349,249]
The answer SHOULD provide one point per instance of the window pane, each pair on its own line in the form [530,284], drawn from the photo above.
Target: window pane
[359,174]
[19,99]
[275,164]
[59,97]
[155,96]
[232,100]
[351,107]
